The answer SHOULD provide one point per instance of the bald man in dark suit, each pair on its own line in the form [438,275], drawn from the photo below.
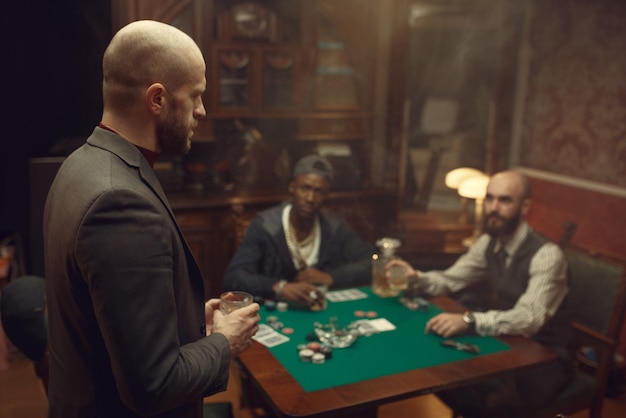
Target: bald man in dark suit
[130,333]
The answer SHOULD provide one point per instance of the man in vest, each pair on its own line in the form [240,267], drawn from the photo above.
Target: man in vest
[522,282]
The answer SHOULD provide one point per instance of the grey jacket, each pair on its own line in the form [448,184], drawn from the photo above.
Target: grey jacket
[125,296]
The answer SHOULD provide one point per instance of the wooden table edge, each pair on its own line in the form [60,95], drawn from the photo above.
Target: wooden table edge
[288,399]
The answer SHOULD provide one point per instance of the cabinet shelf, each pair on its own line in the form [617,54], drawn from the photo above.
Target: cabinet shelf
[325,138]
[233,81]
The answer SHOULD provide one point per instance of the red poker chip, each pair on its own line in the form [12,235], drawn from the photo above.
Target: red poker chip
[359,313]
[315,346]
[372,314]
[287,330]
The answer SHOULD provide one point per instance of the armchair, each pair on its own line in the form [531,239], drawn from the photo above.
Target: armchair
[597,300]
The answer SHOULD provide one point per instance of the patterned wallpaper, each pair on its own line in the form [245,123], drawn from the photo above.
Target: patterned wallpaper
[574,121]
[575,112]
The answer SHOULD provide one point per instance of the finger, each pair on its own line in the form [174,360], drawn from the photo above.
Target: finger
[250,310]
[429,326]
[217,315]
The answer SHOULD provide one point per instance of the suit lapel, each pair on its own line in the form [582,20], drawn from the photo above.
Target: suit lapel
[129,153]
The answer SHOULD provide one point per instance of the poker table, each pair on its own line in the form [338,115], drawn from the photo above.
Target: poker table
[376,369]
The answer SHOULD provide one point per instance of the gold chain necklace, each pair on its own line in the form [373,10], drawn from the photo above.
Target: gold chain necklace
[301,250]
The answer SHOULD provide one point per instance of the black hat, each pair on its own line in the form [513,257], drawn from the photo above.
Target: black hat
[314,164]
[23,315]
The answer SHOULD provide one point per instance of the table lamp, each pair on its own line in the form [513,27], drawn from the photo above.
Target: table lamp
[454,178]
[474,187]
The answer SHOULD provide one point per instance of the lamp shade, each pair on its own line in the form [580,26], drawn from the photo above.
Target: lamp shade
[456,176]
[474,187]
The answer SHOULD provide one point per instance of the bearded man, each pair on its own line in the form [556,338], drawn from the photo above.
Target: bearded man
[130,333]
[522,282]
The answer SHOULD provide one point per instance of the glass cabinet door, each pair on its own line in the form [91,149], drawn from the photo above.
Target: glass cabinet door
[235,69]
[278,78]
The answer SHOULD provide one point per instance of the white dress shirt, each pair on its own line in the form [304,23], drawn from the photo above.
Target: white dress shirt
[547,286]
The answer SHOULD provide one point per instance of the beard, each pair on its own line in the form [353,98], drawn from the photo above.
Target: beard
[173,134]
[506,227]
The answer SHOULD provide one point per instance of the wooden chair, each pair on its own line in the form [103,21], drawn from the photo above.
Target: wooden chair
[597,300]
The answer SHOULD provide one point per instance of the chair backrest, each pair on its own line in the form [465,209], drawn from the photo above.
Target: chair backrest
[597,302]
[596,291]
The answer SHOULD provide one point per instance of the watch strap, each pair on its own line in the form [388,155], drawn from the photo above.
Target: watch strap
[469,319]
[279,288]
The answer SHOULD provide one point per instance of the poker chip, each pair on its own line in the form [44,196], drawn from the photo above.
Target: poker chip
[271,319]
[302,347]
[277,325]
[270,305]
[318,358]
[287,330]
[306,355]
[371,314]
[326,351]
[282,306]
[315,346]
[360,314]
[311,336]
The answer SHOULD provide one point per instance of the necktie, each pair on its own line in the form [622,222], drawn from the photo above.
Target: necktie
[501,259]
[501,265]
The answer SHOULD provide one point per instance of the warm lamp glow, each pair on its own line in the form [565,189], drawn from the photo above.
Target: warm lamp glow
[456,176]
[474,187]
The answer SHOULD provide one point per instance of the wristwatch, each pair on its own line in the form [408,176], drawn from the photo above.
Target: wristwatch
[279,288]
[468,318]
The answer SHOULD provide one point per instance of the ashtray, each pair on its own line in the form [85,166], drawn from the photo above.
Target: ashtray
[334,336]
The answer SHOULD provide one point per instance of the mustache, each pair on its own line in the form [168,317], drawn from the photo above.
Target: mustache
[495,215]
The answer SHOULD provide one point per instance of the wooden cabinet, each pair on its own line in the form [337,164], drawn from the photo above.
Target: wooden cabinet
[301,74]
[285,78]
[247,80]
[432,240]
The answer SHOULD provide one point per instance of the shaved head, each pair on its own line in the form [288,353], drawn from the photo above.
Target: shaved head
[516,183]
[143,53]
[506,202]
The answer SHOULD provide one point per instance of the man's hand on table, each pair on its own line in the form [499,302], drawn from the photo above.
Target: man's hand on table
[298,292]
[447,325]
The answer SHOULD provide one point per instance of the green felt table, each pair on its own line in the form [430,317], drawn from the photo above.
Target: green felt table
[405,348]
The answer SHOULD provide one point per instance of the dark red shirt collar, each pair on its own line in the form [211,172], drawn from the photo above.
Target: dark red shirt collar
[149,155]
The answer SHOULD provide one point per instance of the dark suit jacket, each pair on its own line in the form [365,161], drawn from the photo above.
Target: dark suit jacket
[125,297]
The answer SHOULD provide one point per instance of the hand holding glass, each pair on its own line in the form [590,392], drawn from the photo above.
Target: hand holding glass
[231,301]
[398,280]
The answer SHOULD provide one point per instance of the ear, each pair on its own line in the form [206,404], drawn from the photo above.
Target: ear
[155,98]
[292,187]
[526,206]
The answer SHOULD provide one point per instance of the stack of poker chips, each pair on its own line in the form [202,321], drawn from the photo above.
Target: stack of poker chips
[275,323]
[314,352]
[271,305]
